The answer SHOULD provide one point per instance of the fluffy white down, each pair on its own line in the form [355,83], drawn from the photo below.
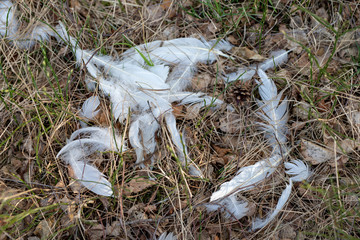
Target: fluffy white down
[299,170]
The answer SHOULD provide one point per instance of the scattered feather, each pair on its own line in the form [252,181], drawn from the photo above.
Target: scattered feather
[83,143]
[299,169]
[260,223]
[167,236]
[243,74]
[89,107]
[274,112]
[276,59]
[230,206]
[247,177]
[9,26]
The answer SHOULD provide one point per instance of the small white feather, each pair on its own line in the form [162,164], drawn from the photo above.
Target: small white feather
[89,107]
[230,206]
[167,236]
[260,223]
[83,143]
[299,169]
[8,21]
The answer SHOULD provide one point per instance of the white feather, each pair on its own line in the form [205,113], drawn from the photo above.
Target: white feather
[274,113]
[9,25]
[276,59]
[167,236]
[243,74]
[8,21]
[179,143]
[89,107]
[260,223]
[76,151]
[182,53]
[142,135]
[230,206]
[91,178]
[247,177]
[299,169]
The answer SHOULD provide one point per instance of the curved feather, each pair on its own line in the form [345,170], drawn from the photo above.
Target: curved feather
[260,223]
[88,109]
[247,177]
[91,178]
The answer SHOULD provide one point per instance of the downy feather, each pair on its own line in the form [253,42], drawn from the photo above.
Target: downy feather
[88,109]
[167,236]
[230,206]
[260,223]
[299,169]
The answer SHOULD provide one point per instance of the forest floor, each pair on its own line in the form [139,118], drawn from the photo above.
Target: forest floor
[42,90]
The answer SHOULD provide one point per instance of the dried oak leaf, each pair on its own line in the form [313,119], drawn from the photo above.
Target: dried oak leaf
[248,54]
[137,184]
[315,153]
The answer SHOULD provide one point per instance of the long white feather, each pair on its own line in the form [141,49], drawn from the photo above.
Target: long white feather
[142,135]
[260,223]
[276,59]
[91,178]
[273,112]
[299,169]
[242,74]
[248,177]
[179,143]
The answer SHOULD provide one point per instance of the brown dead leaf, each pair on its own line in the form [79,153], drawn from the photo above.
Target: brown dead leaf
[178,110]
[166,4]
[192,112]
[315,153]
[137,184]
[96,232]
[114,229]
[201,81]
[248,54]
[44,228]
[154,13]
[150,208]
[221,151]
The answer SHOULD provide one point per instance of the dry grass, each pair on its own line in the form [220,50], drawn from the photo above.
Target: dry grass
[41,91]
